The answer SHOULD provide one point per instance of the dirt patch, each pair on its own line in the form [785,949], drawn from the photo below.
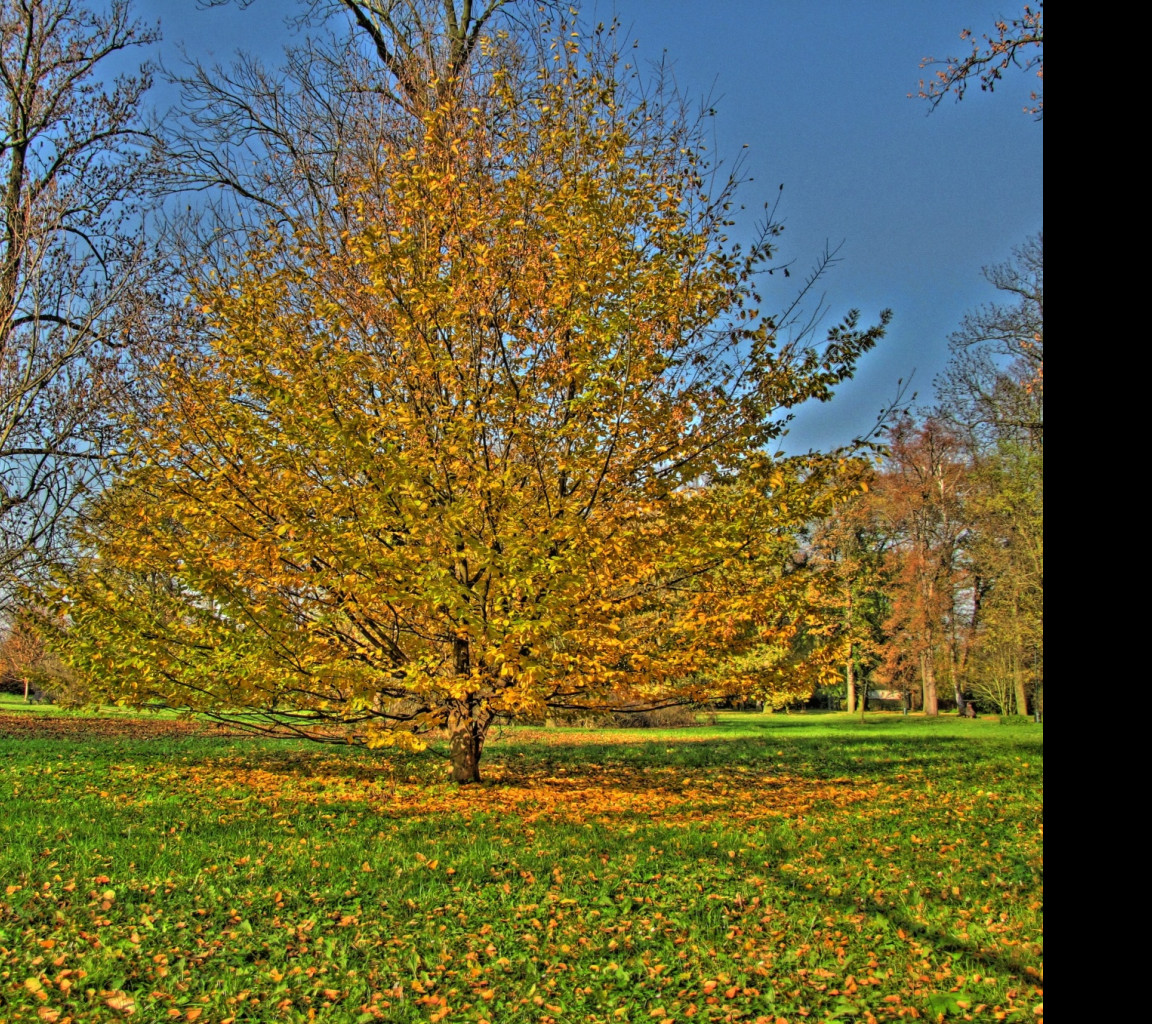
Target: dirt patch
[44,725]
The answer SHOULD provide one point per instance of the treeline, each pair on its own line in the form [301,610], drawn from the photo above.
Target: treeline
[939,563]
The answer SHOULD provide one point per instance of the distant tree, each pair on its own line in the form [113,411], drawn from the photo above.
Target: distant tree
[992,393]
[993,387]
[1014,43]
[960,495]
[1006,553]
[71,169]
[22,650]
[504,444]
[921,495]
[850,549]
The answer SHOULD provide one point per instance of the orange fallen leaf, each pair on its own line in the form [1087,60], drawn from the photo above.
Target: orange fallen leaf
[121,1003]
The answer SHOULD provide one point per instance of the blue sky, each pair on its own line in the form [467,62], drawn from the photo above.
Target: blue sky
[818,92]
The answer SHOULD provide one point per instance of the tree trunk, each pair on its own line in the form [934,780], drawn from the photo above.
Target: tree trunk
[1018,664]
[468,722]
[956,686]
[1018,685]
[467,728]
[928,682]
[850,678]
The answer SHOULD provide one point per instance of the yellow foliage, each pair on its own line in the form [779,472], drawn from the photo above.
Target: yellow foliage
[503,445]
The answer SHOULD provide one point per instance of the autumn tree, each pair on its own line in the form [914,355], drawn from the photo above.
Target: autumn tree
[811,631]
[1006,549]
[1013,43]
[850,553]
[922,496]
[22,650]
[71,167]
[961,498]
[504,444]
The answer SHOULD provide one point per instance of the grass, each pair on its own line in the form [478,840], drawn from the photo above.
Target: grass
[12,703]
[765,868]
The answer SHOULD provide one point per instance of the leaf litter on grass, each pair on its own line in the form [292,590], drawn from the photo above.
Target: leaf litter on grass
[245,881]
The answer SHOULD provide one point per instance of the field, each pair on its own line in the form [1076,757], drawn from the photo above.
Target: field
[765,868]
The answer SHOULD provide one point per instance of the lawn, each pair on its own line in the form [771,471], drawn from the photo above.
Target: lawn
[764,868]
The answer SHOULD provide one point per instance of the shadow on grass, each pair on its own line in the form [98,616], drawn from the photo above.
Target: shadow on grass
[750,747]
[848,753]
[659,767]
[937,939]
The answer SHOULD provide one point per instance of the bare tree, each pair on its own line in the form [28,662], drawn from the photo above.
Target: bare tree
[265,147]
[994,384]
[425,47]
[422,45]
[72,163]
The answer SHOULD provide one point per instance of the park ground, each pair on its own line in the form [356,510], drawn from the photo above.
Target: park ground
[763,868]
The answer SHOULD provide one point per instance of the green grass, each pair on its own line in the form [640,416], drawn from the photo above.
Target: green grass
[11,703]
[803,867]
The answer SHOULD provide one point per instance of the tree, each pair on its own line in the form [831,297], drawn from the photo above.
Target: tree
[1006,550]
[503,444]
[962,499]
[1016,42]
[993,388]
[851,549]
[922,495]
[21,652]
[71,166]
[993,394]
[252,143]
[425,47]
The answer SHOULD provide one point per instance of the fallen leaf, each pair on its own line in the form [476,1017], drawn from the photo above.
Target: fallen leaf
[121,1003]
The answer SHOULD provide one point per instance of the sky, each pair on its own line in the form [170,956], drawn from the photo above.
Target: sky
[817,90]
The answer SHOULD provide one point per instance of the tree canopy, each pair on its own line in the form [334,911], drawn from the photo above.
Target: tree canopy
[72,173]
[1013,43]
[504,443]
